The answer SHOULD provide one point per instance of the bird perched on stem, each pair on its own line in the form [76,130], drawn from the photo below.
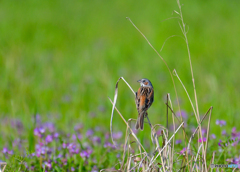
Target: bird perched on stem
[144,99]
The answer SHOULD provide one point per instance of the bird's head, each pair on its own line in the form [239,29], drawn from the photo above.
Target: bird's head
[145,82]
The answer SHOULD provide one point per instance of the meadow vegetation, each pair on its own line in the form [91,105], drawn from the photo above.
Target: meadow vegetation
[60,60]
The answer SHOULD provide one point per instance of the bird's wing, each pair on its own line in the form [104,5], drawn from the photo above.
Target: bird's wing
[137,99]
[140,99]
[150,97]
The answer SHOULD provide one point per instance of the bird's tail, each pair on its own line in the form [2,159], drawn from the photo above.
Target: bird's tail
[140,121]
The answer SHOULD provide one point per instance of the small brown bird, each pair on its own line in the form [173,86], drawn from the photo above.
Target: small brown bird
[144,99]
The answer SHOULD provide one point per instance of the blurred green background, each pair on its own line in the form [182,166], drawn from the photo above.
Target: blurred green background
[62,59]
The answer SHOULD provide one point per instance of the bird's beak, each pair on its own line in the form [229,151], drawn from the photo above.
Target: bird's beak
[139,81]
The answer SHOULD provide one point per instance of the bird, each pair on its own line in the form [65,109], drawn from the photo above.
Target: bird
[144,99]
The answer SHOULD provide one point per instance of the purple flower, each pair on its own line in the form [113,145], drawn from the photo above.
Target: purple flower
[10,152]
[48,164]
[76,151]
[135,131]
[213,136]
[41,130]
[107,136]
[74,137]
[159,132]
[56,135]
[235,134]
[117,135]
[50,126]
[220,122]
[78,127]
[202,140]
[72,148]
[38,119]
[220,143]
[184,114]
[17,124]
[229,160]
[96,139]
[178,141]
[17,143]
[64,145]
[49,139]
[5,150]
[236,160]
[108,144]
[204,131]
[72,169]
[41,149]
[182,152]
[89,133]
[37,132]
[79,136]
[224,132]
[94,169]
[64,161]
[60,155]
[85,154]
[97,128]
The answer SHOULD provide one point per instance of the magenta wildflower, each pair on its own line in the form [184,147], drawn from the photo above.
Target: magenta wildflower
[17,124]
[85,154]
[117,135]
[41,130]
[95,169]
[5,150]
[37,132]
[204,131]
[71,147]
[17,143]
[135,131]
[159,132]
[74,137]
[64,145]
[48,164]
[38,119]
[60,155]
[64,161]
[183,113]
[220,122]
[224,132]
[55,135]
[202,140]
[10,152]
[96,139]
[178,141]
[50,126]
[89,133]
[49,139]
[40,149]
[183,151]
[79,136]
[213,136]
[220,143]
[108,144]
[107,135]
[235,134]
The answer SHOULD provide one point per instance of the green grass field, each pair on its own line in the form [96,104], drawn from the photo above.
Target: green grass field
[61,60]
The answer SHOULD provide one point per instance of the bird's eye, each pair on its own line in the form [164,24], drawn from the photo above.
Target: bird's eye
[143,81]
